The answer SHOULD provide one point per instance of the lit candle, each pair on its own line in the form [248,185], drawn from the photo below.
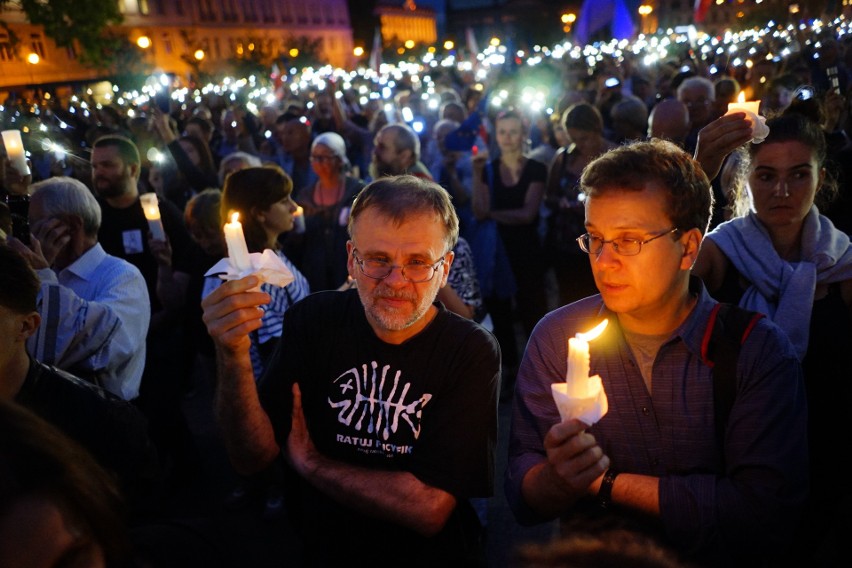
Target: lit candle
[151,208]
[15,151]
[742,105]
[238,253]
[577,376]
[299,220]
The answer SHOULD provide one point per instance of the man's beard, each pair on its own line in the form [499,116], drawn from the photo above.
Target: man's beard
[380,169]
[394,319]
[108,188]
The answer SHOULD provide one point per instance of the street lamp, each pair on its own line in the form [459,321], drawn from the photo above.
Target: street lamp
[32,61]
[568,20]
[199,54]
[144,42]
[358,51]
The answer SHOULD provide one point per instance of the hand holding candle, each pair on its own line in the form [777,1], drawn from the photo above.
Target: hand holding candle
[238,253]
[581,396]
[752,110]
[151,208]
[15,151]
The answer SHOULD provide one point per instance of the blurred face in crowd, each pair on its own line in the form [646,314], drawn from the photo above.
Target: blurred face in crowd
[230,126]
[698,101]
[587,141]
[389,161]
[111,176]
[293,136]
[325,163]
[783,181]
[510,135]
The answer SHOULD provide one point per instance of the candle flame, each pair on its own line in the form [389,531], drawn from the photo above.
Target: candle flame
[235,217]
[299,211]
[594,332]
[741,98]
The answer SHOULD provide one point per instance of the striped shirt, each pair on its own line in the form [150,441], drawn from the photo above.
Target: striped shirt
[95,315]
[273,314]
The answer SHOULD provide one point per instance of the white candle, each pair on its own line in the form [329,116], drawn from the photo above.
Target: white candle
[15,151]
[743,105]
[238,253]
[151,208]
[577,375]
[299,220]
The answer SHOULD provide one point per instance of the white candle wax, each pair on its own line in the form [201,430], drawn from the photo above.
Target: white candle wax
[238,253]
[151,208]
[299,220]
[742,105]
[15,151]
[578,367]
[577,375]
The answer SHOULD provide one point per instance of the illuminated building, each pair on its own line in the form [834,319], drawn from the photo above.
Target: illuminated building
[178,36]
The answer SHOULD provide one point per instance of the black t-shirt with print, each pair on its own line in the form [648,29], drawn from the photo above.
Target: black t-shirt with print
[427,406]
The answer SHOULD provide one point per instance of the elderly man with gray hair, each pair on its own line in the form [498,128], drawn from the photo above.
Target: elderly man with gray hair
[95,307]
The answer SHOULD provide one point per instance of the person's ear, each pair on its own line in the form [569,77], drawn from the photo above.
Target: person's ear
[28,325]
[73,222]
[135,170]
[258,214]
[691,241]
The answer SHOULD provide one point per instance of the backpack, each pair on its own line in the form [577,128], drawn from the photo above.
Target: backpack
[727,329]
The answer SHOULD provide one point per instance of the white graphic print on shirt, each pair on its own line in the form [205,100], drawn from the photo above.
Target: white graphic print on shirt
[376,405]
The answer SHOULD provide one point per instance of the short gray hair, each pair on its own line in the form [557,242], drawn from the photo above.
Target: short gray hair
[64,195]
[691,82]
[250,160]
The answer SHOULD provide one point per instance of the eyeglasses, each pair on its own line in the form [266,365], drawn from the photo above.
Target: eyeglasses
[414,272]
[623,246]
[322,159]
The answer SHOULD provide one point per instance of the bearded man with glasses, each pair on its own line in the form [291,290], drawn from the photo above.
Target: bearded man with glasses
[653,462]
[379,405]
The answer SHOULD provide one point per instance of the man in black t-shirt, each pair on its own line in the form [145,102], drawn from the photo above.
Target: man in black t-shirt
[381,402]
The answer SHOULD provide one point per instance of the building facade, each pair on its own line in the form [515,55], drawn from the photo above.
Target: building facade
[182,36]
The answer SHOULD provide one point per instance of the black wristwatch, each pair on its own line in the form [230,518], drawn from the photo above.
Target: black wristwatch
[605,492]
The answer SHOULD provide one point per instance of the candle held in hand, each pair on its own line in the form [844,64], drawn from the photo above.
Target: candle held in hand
[15,151]
[299,220]
[238,253]
[151,208]
[578,361]
[742,105]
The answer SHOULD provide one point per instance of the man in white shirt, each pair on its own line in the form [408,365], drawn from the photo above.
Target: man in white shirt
[95,306]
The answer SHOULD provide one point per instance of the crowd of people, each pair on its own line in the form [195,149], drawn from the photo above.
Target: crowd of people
[363,399]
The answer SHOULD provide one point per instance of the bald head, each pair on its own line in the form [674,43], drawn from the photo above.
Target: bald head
[669,120]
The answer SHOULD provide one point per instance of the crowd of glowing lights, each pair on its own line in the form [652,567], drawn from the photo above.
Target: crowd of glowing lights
[773,42]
